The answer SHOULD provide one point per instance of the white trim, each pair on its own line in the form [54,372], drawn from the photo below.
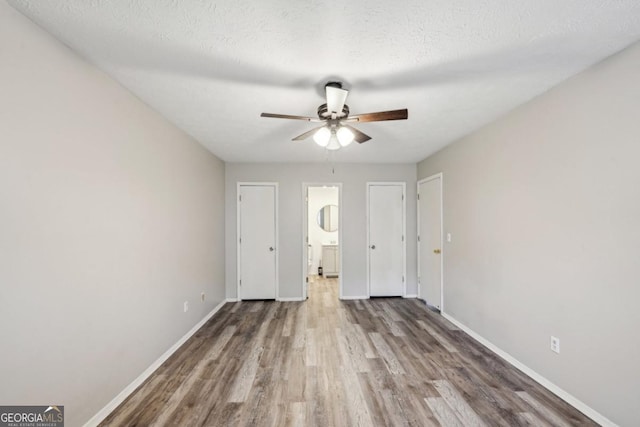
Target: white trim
[305,233]
[405,279]
[305,241]
[354,297]
[232,300]
[404,232]
[366,219]
[116,401]
[289,299]
[340,243]
[570,399]
[442,248]
[410,296]
[277,232]
[238,254]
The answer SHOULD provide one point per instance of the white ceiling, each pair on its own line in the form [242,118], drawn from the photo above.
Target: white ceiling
[211,67]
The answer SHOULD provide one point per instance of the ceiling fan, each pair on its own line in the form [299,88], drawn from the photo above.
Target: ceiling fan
[336,130]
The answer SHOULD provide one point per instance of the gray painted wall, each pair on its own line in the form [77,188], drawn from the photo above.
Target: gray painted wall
[544,209]
[290,178]
[110,218]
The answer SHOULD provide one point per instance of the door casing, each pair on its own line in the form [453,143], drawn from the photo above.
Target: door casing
[305,233]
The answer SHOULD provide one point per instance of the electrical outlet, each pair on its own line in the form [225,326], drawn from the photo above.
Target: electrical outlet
[186,306]
[555,344]
[202,296]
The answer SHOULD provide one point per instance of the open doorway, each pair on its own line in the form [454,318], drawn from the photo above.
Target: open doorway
[322,241]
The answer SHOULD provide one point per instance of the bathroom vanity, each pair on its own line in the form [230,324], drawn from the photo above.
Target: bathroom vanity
[330,260]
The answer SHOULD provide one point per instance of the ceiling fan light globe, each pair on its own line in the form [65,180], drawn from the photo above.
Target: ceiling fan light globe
[322,136]
[333,143]
[345,136]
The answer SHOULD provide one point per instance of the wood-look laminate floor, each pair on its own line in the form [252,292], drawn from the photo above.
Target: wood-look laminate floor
[325,362]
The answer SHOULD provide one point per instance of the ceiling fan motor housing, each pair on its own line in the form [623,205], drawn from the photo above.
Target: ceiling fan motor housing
[324,113]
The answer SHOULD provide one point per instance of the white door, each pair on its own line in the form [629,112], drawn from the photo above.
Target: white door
[386,239]
[257,241]
[430,241]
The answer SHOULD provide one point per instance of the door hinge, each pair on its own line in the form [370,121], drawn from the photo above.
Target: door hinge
[402,279]
[307,279]
[240,198]
[240,282]
[403,238]
[418,237]
[307,239]
[241,240]
[403,197]
[418,196]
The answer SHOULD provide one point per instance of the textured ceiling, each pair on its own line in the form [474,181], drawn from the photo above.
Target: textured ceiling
[211,67]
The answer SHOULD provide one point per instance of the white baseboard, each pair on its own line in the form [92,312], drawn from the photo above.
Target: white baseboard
[354,297]
[104,412]
[411,296]
[570,399]
[277,299]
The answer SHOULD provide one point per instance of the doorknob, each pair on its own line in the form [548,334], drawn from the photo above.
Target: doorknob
[373,246]
[271,249]
[436,251]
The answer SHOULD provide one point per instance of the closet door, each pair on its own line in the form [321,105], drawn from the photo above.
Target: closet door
[430,241]
[257,273]
[386,239]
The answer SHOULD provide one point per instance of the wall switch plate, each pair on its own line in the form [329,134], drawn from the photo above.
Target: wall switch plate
[555,344]
[186,306]
[449,237]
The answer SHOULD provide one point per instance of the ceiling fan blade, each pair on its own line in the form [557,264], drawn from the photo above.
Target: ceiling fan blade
[358,136]
[306,134]
[381,116]
[336,97]
[287,116]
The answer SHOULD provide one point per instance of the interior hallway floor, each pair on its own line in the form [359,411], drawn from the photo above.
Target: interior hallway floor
[326,362]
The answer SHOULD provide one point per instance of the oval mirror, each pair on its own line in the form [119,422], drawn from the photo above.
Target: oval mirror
[328,218]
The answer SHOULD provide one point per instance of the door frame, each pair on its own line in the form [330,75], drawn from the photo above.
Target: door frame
[404,233]
[277,233]
[305,233]
[422,181]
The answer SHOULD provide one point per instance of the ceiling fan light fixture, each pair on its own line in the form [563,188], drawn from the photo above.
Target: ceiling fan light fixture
[345,136]
[322,136]
[333,134]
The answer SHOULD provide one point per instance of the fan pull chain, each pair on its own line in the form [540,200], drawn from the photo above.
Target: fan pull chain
[331,159]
